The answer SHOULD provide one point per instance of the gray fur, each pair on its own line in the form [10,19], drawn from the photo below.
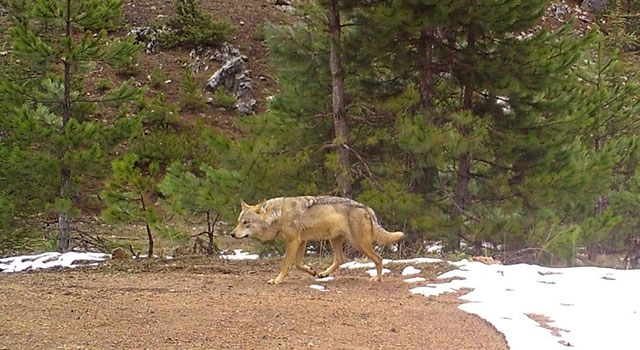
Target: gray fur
[319,200]
[323,200]
[329,200]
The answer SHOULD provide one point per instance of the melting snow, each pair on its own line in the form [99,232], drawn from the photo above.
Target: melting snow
[48,260]
[239,254]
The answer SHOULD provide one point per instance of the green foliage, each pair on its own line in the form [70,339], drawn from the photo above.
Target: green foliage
[259,34]
[162,139]
[163,146]
[608,90]
[210,190]
[300,52]
[204,190]
[191,28]
[129,68]
[48,120]
[128,194]
[621,24]
[279,166]
[223,99]
[104,85]
[271,248]
[126,190]
[157,77]
[159,113]
[459,128]
[191,98]
[14,239]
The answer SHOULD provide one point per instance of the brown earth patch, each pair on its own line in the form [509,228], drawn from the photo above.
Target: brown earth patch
[210,304]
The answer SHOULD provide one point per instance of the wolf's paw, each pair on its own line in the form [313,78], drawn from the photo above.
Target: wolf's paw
[311,271]
[376,279]
[274,281]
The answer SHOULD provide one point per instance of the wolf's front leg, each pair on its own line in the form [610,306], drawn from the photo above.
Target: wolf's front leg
[289,258]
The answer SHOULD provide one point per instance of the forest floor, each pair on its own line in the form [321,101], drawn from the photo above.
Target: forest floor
[205,303]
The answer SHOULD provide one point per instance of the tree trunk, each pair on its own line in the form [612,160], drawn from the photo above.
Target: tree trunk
[64,226]
[148,228]
[427,37]
[65,172]
[461,196]
[426,183]
[343,177]
[150,237]
[211,228]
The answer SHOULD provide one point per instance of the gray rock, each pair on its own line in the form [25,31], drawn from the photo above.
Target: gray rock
[233,77]
[245,107]
[226,75]
[148,36]
[285,6]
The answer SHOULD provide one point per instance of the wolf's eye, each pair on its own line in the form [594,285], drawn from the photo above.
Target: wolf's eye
[245,222]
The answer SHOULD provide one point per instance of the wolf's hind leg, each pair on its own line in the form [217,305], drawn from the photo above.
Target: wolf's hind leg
[299,256]
[338,256]
[367,250]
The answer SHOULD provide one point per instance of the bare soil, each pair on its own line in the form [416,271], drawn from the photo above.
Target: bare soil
[209,304]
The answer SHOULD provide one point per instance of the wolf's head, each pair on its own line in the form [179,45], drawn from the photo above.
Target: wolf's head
[253,221]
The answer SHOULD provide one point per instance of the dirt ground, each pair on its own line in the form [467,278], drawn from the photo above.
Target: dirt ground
[209,304]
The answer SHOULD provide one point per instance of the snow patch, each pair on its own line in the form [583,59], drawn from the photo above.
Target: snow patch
[415,279]
[325,279]
[319,287]
[374,272]
[49,260]
[239,254]
[410,270]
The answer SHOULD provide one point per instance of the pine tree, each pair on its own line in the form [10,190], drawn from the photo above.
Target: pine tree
[285,165]
[484,118]
[129,193]
[191,27]
[212,193]
[609,89]
[49,120]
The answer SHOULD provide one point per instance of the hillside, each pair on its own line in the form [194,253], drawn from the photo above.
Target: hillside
[247,16]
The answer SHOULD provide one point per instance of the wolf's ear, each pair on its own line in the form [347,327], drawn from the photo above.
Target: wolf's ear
[263,206]
[244,205]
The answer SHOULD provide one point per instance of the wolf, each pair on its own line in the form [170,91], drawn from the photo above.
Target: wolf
[296,220]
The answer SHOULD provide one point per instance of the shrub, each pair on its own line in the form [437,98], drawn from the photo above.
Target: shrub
[191,98]
[223,99]
[191,28]
[157,77]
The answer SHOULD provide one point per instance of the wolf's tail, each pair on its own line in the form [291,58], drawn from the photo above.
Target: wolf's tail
[382,236]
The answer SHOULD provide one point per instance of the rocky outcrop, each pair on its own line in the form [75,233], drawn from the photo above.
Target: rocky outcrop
[147,36]
[285,6]
[233,77]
